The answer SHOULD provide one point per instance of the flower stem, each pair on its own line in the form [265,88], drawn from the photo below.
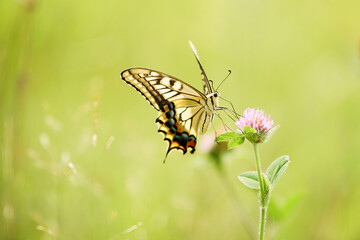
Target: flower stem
[263,201]
[262,222]
[258,168]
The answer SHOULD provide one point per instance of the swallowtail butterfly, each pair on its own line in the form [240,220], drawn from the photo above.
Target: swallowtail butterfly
[184,112]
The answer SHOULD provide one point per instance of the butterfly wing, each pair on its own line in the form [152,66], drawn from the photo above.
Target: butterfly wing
[205,80]
[181,107]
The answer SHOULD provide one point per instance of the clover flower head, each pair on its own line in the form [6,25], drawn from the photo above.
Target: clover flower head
[258,120]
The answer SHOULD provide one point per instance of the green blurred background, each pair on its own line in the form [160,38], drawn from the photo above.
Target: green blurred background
[60,63]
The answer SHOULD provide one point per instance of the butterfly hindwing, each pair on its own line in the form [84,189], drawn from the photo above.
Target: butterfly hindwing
[180,133]
[136,78]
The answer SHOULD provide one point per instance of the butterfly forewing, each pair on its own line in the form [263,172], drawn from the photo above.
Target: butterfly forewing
[205,80]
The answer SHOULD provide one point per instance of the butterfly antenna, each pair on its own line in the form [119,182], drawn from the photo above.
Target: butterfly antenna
[224,80]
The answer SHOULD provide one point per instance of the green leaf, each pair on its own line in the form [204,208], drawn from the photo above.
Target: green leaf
[267,189]
[271,133]
[277,168]
[248,129]
[250,179]
[266,183]
[235,139]
[236,142]
[228,136]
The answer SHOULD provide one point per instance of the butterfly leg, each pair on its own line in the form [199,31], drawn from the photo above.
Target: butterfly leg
[232,106]
[226,127]
[216,135]
[225,109]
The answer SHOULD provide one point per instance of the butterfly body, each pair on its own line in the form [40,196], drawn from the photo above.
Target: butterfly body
[184,112]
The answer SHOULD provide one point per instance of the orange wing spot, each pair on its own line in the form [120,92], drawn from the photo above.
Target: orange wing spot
[191,144]
[166,108]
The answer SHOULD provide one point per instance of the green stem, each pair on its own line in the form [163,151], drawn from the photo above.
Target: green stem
[258,168]
[263,201]
[262,222]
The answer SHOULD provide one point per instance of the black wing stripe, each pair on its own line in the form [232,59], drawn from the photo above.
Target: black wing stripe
[202,128]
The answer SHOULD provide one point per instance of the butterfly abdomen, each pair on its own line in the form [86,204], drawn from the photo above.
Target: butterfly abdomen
[174,133]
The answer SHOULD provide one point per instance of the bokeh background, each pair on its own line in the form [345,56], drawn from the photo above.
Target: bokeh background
[80,154]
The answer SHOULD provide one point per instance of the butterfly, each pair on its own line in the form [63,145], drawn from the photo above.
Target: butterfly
[184,112]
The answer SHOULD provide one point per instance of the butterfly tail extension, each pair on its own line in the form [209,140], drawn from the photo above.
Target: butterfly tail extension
[174,133]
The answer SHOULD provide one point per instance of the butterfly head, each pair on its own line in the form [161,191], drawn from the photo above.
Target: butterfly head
[213,100]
